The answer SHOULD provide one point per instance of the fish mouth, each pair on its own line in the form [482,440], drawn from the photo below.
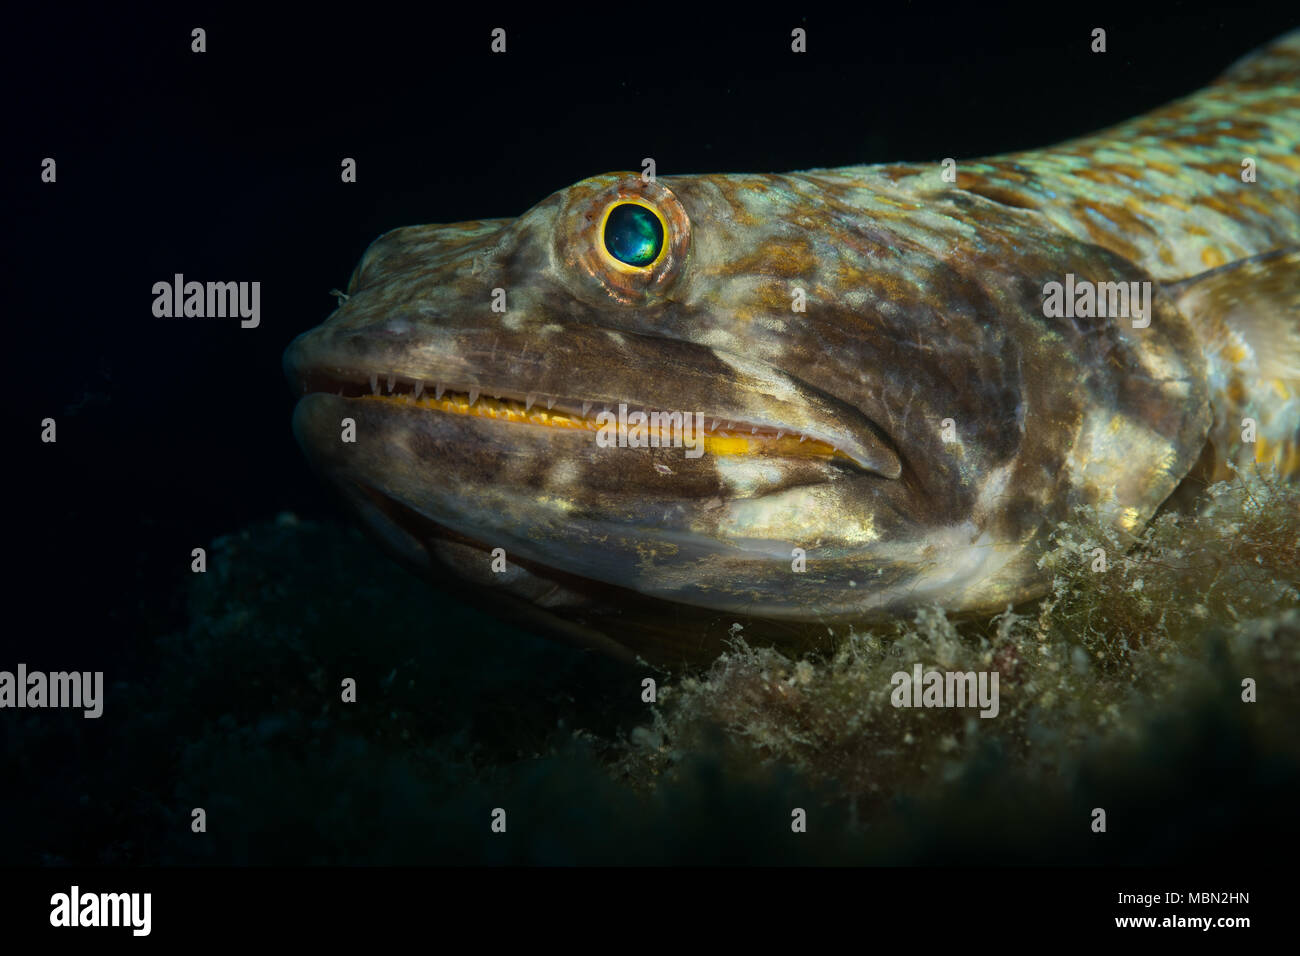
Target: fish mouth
[447,469]
[655,426]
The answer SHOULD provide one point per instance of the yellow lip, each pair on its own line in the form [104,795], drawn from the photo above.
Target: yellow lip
[717,441]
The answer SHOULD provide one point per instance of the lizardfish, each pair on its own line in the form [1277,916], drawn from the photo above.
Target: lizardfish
[651,407]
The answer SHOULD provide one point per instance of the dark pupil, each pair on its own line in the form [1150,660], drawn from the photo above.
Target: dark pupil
[633,234]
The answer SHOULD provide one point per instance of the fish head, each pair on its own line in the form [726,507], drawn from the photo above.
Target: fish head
[797,398]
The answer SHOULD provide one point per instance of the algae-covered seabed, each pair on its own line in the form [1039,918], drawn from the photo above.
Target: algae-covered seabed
[1121,690]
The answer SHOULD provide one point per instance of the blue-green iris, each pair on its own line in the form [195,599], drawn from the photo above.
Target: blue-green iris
[633,234]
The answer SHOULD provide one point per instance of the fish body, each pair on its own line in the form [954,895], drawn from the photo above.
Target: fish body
[864,389]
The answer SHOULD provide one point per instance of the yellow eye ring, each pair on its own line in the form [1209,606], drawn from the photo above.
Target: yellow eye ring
[603,239]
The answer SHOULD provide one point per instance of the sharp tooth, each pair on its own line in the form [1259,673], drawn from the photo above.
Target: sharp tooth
[755,431]
[803,438]
[392,380]
[419,387]
[712,425]
[528,401]
[586,407]
[473,395]
[437,390]
[549,403]
[779,434]
[374,384]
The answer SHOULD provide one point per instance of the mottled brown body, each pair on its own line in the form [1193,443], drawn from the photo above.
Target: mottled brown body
[946,424]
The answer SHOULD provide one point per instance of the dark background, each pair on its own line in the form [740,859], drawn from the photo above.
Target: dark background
[225,166]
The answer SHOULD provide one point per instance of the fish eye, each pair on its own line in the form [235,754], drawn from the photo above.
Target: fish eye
[623,237]
[634,234]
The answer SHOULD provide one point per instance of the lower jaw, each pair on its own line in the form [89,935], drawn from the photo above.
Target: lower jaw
[615,621]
